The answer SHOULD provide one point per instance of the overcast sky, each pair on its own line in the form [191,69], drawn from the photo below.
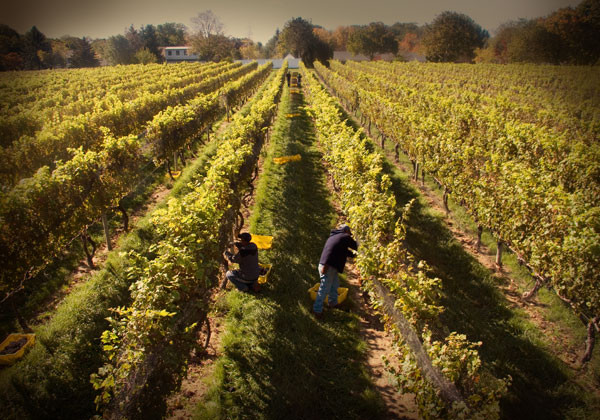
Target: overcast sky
[254,19]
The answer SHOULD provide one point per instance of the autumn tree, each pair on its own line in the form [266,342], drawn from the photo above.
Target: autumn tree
[297,38]
[170,34]
[35,44]
[453,37]
[149,40]
[567,36]
[118,50]
[534,44]
[11,49]
[250,51]
[214,47]
[323,34]
[578,30]
[144,56]
[208,40]
[58,58]
[134,38]
[340,37]
[82,54]
[372,39]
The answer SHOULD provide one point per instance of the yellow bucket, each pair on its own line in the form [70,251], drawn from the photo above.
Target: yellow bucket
[342,293]
[263,279]
[285,159]
[9,359]
[262,241]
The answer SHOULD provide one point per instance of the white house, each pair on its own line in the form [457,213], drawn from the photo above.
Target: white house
[178,54]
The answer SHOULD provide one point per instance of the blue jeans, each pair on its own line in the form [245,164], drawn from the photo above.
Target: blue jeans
[329,285]
[235,277]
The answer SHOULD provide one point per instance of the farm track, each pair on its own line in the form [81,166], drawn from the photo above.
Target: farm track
[200,372]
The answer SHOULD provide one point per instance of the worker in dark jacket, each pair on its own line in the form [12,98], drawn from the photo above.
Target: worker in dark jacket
[333,258]
[246,278]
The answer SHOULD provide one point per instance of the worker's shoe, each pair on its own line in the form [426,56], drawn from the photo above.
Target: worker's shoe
[318,315]
[255,287]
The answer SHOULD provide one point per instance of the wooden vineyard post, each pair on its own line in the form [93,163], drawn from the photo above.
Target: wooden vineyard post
[446,200]
[89,255]
[530,294]
[447,389]
[225,266]
[125,217]
[591,339]
[479,233]
[499,254]
[106,231]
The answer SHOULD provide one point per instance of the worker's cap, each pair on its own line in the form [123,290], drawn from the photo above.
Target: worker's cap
[245,236]
[344,228]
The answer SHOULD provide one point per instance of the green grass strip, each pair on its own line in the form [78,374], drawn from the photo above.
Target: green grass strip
[278,361]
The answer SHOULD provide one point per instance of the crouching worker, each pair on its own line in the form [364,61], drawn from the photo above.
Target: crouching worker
[246,278]
[333,259]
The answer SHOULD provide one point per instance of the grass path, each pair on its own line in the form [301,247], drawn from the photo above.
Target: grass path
[277,360]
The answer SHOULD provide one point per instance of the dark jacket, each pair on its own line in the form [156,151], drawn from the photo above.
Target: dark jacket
[247,258]
[336,249]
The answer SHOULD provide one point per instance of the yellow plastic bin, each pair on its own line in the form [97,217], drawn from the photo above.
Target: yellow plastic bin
[262,241]
[263,279]
[10,358]
[342,293]
[285,159]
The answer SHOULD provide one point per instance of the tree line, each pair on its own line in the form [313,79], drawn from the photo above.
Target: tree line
[34,51]
[567,36]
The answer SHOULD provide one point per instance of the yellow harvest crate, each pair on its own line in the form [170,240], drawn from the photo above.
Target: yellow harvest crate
[342,293]
[286,159]
[262,241]
[9,359]
[263,279]
[176,174]
[292,115]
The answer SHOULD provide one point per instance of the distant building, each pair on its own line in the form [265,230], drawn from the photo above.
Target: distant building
[178,54]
